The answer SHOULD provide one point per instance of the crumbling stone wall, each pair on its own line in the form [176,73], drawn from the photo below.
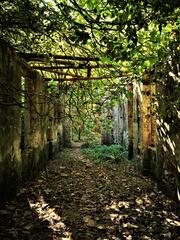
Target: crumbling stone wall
[66,126]
[130,122]
[35,152]
[152,117]
[54,128]
[30,132]
[154,127]
[141,123]
[146,125]
[120,126]
[166,164]
[136,121]
[10,122]
[107,127]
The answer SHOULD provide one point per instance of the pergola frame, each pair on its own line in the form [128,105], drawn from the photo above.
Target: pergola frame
[56,65]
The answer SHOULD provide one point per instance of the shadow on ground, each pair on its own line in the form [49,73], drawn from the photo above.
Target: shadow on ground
[75,199]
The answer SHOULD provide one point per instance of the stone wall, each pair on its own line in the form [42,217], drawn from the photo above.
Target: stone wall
[10,122]
[154,127]
[144,124]
[149,123]
[107,127]
[115,124]
[130,122]
[120,126]
[141,120]
[166,165]
[30,132]
[66,125]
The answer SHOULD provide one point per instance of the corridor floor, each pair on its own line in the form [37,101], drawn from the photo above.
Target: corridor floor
[74,199]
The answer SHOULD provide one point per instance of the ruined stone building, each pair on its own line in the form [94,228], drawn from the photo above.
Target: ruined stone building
[147,124]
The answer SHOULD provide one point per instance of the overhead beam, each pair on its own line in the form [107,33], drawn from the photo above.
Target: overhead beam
[63,62]
[29,56]
[74,66]
[63,73]
[85,78]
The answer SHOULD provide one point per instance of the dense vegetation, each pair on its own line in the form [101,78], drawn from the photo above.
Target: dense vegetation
[133,36]
[115,28]
[106,154]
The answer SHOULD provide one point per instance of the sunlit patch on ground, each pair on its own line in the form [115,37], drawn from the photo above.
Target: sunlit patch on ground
[46,213]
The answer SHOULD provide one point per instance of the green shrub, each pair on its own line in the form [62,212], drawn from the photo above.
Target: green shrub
[91,140]
[102,154]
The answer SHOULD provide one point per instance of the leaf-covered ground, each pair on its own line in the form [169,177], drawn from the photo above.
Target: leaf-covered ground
[75,199]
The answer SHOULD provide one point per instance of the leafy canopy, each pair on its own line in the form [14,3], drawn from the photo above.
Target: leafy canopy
[109,28]
[132,34]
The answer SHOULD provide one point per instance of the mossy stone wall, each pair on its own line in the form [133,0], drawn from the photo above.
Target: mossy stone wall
[10,122]
[26,120]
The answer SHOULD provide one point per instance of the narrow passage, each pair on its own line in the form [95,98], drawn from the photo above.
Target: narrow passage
[79,200]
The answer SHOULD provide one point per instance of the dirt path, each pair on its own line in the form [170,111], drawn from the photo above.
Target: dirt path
[75,199]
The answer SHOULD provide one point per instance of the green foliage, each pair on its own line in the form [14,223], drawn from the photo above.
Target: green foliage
[113,30]
[132,35]
[91,140]
[47,191]
[106,154]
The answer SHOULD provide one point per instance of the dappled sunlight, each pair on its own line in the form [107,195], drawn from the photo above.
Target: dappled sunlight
[173,222]
[143,217]
[46,213]
[138,90]
[89,120]
[174,76]
[178,194]
[163,132]
[77,199]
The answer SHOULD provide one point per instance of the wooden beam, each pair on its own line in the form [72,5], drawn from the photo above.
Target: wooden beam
[45,68]
[85,78]
[63,62]
[79,66]
[29,56]
[46,60]
[63,73]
